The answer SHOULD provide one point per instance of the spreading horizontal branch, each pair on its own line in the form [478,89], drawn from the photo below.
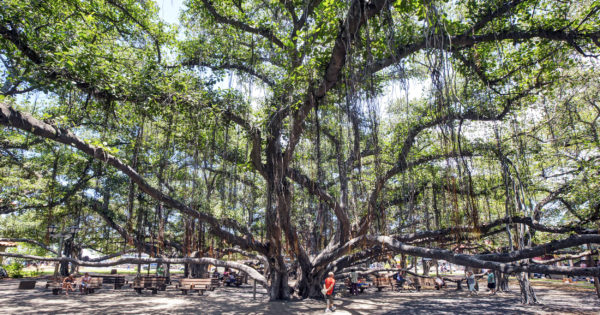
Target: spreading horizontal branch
[468,40]
[110,256]
[566,257]
[476,261]
[264,32]
[30,241]
[252,273]
[24,121]
[232,66]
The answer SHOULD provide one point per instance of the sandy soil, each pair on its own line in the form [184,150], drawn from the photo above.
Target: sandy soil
[556,299]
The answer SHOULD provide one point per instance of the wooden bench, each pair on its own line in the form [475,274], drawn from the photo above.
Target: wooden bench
[55,284]
[200,285]
[427,283]
[215,283]
[52,280]
[383,282]
[237,281]
[117,281]
[415,282]
[95,283]
[151,283]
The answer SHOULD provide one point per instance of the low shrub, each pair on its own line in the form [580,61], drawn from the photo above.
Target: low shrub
[14,270]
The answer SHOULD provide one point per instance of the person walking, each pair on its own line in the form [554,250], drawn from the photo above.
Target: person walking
[471,283]
[354,282]
[491,279]
[328,291]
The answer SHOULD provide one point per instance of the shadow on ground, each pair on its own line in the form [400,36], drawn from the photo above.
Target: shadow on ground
[240,301]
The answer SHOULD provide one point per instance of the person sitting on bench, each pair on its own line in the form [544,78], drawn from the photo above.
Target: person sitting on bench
[400,280]
[68,284]
[231,279]
[439,283]
[85,283]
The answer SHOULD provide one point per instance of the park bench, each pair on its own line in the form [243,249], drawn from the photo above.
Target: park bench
[95,283]
[151,283]
[117,281]
[52,280]
[215,282]
[55,284]
[237,281]
[415,282]
[383,282]
[199,285]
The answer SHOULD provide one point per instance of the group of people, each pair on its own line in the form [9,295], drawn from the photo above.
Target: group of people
[472,283]
[229,277]
[68,283]
[400,279]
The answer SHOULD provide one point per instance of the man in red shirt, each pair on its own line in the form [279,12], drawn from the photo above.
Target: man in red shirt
[329,284]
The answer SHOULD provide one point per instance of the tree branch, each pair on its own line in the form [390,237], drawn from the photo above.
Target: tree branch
[252,273]
[264,32]
[30,241]
[24,121]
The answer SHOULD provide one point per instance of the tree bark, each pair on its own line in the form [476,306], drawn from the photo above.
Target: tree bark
[527,294]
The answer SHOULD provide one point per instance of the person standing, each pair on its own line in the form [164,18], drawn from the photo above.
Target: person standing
[328,288]
[354,282]
[491,279]
[471,283]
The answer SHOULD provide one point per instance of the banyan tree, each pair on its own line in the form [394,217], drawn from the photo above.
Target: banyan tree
[327,133]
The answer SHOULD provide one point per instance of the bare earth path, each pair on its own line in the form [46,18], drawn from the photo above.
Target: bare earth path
[561,299]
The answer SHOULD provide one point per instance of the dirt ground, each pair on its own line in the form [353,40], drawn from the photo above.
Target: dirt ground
[556,299]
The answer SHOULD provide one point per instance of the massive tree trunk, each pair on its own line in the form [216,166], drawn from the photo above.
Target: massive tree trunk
[311,283]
